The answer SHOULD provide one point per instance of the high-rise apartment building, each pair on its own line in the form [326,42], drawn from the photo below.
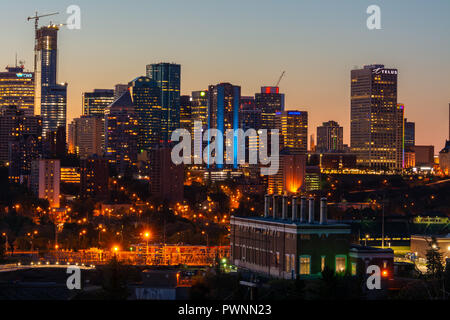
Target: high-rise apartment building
[168,78]
[45,180]
[50,96]
[330,137]
[376,119]
[17,89]
[186,113]
[87,135]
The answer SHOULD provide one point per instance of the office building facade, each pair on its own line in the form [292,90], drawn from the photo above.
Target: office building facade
[168,78]
[17,89]
[95,103]
[330,137]
[293,130]
[376,119]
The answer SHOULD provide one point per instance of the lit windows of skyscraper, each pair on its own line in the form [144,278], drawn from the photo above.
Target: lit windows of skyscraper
[186,113]
[269,101]
[17,88]
[293,130]
[146,98]
[376,119]
[199,107]
[50,98]
[94,103]
[330,137]
[223,105]
[121,135]
[87,136]
[167,77]
[410,133]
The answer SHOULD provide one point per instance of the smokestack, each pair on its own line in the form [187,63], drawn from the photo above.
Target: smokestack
[323,211]
[294,208]
[274,209]
[303,210]
[311,210]
[266,205]
[284,208]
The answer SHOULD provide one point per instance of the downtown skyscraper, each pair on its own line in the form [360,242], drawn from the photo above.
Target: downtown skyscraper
[146,98]
[330,137]
[17,88]
[50,97]
[223,104]
[376,118]
[167,77]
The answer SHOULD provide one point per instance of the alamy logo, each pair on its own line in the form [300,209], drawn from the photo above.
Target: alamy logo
[74,20]
[234,142]
[374,280]
[74,280]
[374,20]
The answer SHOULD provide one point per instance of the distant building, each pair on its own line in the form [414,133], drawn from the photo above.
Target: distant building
[199,107]
[313,180]
[410,134]
[51,96]
[332,161]
[94,176]
[166,178]
[88,135]
[186,113]
[376,118]
[95,103]
[330,137]
[70,175]
[420,244]
[17,88]
[146,98]
[121,127]
[269,101]
[293,130]
[224,101]
[45,180]
[20,141]
[290,177]
[444,158]
[424,156]
[119,90]
[168,79]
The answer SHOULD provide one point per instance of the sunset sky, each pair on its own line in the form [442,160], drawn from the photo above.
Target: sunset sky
[249,43]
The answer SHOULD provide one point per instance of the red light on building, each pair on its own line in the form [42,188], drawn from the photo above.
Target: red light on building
[384,273]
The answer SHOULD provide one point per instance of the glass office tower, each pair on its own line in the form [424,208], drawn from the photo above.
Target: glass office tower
[167,77]
[376,119]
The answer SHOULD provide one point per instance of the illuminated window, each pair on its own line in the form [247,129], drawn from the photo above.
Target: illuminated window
[341,262]
[322,263]
[305,265]
[353,269]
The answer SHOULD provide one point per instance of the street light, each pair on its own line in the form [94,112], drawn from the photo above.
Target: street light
[367,237]
[147,237]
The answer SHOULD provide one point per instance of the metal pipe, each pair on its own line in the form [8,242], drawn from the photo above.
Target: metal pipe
[284,208]
[311,210]
[303,210]
[323,211]
[294,208]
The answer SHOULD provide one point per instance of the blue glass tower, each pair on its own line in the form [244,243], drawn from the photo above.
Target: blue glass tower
[167,77]
[223,114]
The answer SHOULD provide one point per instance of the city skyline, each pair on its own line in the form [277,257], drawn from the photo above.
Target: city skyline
[300,53]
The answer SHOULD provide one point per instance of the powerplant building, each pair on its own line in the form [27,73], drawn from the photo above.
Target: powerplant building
[289,242]
[376,118]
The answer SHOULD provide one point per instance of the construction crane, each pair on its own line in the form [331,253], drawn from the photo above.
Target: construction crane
[36,18]
[279,79]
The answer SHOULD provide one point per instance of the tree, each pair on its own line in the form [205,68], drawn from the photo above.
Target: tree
[115,280]
[435,266]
